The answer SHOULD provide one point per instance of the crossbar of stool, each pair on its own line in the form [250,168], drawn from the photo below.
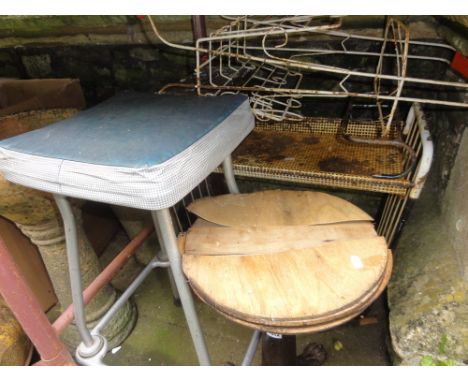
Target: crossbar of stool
[90,351]
[155,263]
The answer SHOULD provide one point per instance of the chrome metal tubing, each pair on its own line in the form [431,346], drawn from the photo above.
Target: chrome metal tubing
[252,348]
[162,256]
[155,263]
[74,267]
[229,176]
[162,220]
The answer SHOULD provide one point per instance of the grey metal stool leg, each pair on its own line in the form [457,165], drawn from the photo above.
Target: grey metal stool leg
[163,257]
[162,220]
[249,355]
[175,292]
[229,175]
[91,344]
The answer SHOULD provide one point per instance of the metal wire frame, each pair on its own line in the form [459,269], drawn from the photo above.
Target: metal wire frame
[278,31]
[247,26]
[236,48]
[228,71]
[345,37]
[399,192]
[418,137]
[399,33]
[225,70]
[259,76]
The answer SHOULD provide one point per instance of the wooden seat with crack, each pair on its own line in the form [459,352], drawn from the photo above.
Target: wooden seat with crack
[287,262]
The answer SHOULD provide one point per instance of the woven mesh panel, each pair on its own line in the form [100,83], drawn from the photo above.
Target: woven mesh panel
[309,152]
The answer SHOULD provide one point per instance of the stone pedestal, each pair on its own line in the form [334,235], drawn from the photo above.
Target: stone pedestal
[133,221]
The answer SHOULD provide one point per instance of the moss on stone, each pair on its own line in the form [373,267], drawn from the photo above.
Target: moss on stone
[144,54]
[130,76]
[5,56]
[27,26]
[37,66]
[9,71]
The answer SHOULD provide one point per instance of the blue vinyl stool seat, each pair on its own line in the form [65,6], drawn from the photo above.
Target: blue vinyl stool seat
[138,150]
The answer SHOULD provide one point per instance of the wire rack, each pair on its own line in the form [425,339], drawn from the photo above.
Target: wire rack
[230,66]
[417,135]
[272,59]
[309,152]
[268,58]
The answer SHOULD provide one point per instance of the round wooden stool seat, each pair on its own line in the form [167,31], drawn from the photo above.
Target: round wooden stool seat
[285,261]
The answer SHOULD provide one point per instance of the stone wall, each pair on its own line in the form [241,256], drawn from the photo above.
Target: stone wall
[113,53]
[103,70]
[107,53]
[455,29]
[89,30]
[86,30]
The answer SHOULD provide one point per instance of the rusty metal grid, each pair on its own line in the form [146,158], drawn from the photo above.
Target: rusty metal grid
[309,152]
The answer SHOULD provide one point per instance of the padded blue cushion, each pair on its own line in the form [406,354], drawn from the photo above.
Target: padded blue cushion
[129,130]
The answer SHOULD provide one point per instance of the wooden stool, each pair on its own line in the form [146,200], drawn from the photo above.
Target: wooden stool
[285,262]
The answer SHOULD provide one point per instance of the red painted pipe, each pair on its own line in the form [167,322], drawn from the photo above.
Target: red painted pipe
[103,278]
[27,310]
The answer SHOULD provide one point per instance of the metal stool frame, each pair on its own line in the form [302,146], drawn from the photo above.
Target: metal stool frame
[93,347]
